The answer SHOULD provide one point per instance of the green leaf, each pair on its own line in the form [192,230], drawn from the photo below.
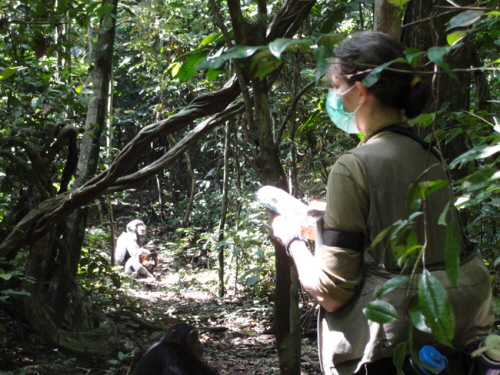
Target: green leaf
[187,70]
[322,55]
[437,54]
[456,37]
[278,46]
[380,312]
[465,19]
[452,252]
[412,54]
[479,152]
[436,307]
[416,316]
[380,236]
[329,40]
[480,179]
[373,77]
[6,73]
[418,190]
[392,284]
[400,356]
[210,38]
[213,74]
[236,52]
[442,217]
[265,65]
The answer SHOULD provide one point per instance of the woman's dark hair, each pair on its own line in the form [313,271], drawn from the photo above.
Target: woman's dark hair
[398,85]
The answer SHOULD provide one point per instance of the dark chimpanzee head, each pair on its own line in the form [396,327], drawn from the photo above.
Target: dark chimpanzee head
[186,337]
[137,226]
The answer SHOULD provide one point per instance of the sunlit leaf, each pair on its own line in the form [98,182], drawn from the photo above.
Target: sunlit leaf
[435,304]
[278,46]
[392,284]
[187,70]
[455,37]
[479,152]
[6,73]
[452,252]
[210,38]
[380,312]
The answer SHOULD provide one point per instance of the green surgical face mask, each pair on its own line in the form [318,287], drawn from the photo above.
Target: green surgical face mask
[335,109]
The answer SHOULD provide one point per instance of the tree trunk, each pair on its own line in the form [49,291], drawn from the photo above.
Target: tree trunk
[387,18]
[225,197]
[452,93]
[64,271]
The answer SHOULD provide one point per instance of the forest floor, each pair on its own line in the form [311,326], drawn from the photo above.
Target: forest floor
[236,330]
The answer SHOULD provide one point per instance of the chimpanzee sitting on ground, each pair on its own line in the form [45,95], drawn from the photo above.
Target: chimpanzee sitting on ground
[142,263]
[129,242]
[179,352]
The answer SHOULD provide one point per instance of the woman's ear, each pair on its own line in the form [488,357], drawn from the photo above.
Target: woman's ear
[362,90]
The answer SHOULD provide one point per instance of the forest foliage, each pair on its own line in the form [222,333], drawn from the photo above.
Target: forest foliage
[168,57]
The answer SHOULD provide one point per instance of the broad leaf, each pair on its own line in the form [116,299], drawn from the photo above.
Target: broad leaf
[380,312]
[464,19]
[321,55]
[436,307]
[236,52]
[452,252]
[437,54]
[6,73]
[392,284]
[479,152]
[278,46]
[416,316]
[412,54]
[210,38]
[456,36]
[187,70]
[328,40]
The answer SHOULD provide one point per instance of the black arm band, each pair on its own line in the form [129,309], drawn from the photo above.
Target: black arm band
[291,239]
[340,238]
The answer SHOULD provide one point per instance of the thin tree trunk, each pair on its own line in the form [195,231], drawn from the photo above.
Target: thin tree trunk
[225,197]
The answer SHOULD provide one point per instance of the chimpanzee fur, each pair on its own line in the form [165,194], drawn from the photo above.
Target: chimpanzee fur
[129,242]
[179,352]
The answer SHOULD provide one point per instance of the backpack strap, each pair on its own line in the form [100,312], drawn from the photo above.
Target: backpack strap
[409,133]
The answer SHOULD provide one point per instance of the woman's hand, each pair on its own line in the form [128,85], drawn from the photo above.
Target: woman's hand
[284,228]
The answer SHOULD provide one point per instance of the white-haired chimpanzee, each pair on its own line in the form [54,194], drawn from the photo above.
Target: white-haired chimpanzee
[142,263]
[179,352]
[129,242]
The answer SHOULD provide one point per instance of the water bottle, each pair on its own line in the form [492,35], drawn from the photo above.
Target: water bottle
[488,352]
[429,356]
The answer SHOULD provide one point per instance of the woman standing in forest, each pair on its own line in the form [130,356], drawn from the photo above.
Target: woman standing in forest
[366,193]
